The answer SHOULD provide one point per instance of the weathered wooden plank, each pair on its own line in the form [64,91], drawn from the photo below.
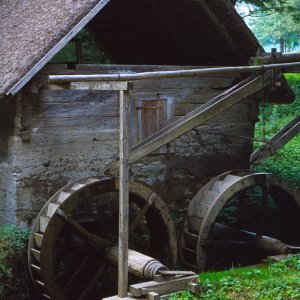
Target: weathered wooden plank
[103,122]
[64,110]
[223,118]
[195,118]
[61,138]
[191,95]
[77,128]
[280,57]
[99,86]
[182,83]
[277,141]
[71,96]
[112,69]
[161,288]
[182,108]
[123,195]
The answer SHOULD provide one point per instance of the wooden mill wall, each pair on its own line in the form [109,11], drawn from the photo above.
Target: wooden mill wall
[51,137]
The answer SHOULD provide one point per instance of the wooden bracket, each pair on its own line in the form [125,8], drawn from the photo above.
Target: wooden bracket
[23,118]
[153,290]
[276,142]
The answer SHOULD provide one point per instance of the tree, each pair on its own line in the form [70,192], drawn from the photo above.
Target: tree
[273,25]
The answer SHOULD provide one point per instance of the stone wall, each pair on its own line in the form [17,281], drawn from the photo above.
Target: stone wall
[7,183]
[62,135]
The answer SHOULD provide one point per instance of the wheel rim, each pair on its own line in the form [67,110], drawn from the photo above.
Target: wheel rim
[159,225]
[211,200]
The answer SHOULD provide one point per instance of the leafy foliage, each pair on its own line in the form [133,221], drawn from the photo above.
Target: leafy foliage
[278,281]
[286,162]
[90,52]
[276,22]
[13,262]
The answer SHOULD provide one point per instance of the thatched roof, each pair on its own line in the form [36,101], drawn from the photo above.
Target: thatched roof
[174,32]
[30,29]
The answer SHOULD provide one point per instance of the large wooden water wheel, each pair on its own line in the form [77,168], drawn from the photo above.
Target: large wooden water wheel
[238,218]
[76,227]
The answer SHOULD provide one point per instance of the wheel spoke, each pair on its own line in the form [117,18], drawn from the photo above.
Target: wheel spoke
[241,209]
[218,243]
[263,211]
[141,214]
[85,294]
[76,276]
[83,233]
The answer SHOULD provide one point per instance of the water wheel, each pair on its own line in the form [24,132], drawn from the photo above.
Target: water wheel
[70,237]
[239,218]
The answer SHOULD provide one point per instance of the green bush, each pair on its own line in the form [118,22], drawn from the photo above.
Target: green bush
[13,262]
[286,162]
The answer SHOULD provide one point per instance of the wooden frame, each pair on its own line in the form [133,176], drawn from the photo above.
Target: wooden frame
[195,118]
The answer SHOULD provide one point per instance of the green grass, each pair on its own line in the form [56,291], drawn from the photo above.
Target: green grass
[277,281]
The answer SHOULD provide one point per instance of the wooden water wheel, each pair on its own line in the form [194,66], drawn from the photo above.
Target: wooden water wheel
[238,218]
[71,235]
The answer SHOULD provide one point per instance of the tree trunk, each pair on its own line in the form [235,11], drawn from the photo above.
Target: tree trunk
[281,40]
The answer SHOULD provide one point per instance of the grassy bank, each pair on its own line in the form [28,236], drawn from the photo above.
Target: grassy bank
[277,281]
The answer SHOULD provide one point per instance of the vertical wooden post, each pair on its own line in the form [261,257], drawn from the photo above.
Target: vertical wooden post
[123,195]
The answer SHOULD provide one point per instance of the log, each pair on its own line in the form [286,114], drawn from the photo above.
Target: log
[123,196]
[169,74]
[276,142]
[140,265]
[280,58]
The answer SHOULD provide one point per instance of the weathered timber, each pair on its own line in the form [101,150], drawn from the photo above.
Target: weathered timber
[169,74]
[99,86]
[123,195]
[263,243]
[75,134]
[140,265]
[280,58]
[195,118]
[276,142]
[162,288]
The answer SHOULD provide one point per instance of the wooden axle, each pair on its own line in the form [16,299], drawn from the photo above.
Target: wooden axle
[266,244]
[140,265]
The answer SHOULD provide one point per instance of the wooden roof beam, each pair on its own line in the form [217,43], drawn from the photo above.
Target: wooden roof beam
[220,27]
[169,27]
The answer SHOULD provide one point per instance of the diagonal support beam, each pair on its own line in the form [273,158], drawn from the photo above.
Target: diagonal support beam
[276,142]
[195,118]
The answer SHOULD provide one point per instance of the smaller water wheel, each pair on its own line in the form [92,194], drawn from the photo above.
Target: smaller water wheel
[238,218]
[72,234]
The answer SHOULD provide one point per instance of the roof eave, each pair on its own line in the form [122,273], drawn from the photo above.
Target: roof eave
[45,59]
